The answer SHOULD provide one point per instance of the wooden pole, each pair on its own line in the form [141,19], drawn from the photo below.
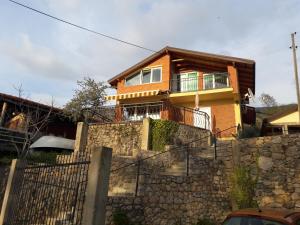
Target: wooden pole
[294,47]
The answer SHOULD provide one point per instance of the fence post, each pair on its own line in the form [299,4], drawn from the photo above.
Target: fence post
[215,147]
[137,177]
[187,161]
[7,203]
[97,187]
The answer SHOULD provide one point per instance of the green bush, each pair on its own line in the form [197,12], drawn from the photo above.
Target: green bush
[204,221]
[243,188]
[120,218]
[162,132]
[249,132]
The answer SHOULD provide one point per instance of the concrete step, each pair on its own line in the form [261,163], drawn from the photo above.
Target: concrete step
[126,189]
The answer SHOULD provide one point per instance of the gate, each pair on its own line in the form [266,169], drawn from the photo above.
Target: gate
[50,193]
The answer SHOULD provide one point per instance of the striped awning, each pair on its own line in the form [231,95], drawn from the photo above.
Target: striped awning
[132,95]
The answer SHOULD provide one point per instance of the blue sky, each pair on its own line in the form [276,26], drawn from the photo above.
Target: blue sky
[47,57]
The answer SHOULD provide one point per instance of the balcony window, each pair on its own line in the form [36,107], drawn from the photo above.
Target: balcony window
[215,81]
[185,82]
[145,76]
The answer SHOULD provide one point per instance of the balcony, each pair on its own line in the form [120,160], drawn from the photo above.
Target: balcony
[190,82]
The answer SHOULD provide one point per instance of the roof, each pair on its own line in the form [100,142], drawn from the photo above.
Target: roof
[185,52]
[275,116]
[277,214]
[26,102]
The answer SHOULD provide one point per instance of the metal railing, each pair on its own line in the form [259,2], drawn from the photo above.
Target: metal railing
[158,110]
[183,152]
[208,82]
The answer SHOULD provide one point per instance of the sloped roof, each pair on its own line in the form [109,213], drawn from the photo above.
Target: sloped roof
[282,113]
[190,53]
[26,102]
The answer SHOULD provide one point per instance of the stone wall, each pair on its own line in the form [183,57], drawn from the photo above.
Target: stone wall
[186,134]
[276,160]
[165,199]
[123,138]
[4,171]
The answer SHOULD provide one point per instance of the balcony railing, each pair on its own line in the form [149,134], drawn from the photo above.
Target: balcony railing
[207,82]
[161,110]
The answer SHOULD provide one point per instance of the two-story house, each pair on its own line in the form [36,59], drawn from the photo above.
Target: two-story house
[195,88]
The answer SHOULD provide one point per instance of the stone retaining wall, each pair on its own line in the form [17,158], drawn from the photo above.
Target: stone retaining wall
[165,199]
[123,138]
[275,161]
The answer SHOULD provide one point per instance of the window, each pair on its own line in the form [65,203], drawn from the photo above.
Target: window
[188,81]
[215,80]
[140,111]
[146,76]
[156,75]
[135,79]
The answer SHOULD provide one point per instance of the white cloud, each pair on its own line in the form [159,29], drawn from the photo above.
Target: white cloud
[255,29]
[37,59]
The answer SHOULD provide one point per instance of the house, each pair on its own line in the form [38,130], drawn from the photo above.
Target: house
[283,122]
[199,89]
[13,114]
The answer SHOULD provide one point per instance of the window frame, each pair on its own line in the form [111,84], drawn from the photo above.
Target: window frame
[214,80]
[140,74]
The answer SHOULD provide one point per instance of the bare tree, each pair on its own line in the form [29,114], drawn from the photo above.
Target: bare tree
[33,119]
[267,100]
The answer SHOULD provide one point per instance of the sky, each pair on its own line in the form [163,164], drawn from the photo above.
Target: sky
[47,57]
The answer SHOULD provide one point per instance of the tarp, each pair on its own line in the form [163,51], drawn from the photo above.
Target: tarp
[53,142]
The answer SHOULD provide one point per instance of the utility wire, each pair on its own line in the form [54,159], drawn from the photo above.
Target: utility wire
[81,27]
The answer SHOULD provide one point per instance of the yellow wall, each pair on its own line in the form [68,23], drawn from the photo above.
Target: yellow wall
[290,118]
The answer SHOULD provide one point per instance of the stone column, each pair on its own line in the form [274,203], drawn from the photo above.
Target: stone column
[285,129]
[81,136]
[146,134]
[97,187]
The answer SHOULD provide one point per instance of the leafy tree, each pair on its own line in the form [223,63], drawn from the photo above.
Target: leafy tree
[89,95]
[267,100]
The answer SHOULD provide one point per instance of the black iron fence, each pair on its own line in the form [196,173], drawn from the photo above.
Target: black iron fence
[47,194]
[157,110]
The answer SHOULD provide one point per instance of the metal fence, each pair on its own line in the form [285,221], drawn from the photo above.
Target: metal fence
[184,152]
[47,194]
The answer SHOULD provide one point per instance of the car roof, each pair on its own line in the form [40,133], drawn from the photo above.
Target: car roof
[283,215]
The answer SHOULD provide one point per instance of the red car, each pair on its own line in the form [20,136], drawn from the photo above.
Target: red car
[263,217]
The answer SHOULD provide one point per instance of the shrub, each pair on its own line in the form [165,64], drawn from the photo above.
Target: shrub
[249,132]
[120,218]
[204,221]
[243,188]
[162,132]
